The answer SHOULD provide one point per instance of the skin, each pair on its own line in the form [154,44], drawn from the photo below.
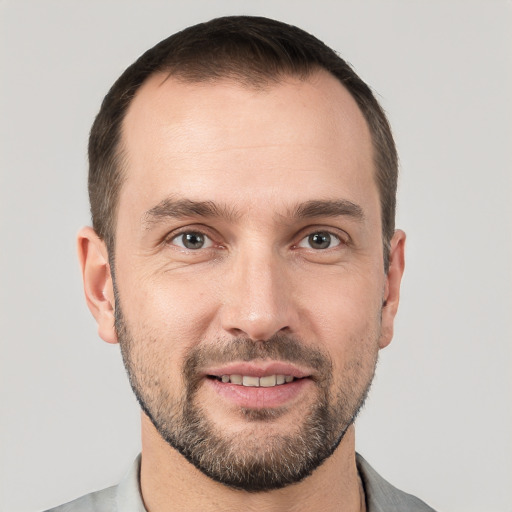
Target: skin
[257,154]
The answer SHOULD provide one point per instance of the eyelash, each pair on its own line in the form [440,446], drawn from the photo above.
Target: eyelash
[332,237]
[325,234]
[171,239]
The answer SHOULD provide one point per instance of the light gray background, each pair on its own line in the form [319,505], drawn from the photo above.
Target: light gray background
[438,422]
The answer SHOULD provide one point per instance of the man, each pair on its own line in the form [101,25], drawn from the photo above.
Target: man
[242,185]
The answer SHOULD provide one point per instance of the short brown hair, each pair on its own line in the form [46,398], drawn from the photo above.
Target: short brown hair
[254,51]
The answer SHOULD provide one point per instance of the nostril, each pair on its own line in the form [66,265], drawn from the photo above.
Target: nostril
[259,319]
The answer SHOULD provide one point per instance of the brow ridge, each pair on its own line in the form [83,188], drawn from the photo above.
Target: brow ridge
[171,207]
[179,208]
[327,208]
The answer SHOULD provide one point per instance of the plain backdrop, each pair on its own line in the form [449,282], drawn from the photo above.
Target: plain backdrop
[438,422]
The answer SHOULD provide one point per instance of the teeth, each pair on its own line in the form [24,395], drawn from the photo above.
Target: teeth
[235,379]
[265,382]
[251,381]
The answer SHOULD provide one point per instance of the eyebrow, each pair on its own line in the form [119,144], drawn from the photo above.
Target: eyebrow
[183,208]
[174,208]
[328,208]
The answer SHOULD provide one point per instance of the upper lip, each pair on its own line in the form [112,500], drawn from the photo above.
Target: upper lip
[260,369]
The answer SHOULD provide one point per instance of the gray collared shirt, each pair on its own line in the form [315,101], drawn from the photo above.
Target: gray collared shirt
[380,495]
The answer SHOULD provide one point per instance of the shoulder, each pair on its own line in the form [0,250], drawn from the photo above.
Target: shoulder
[124,497]
[99,501]
[381,496]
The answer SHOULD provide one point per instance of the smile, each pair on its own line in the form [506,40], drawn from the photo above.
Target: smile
[266,381]
[259,385]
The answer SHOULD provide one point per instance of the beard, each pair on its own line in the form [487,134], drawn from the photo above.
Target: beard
[243,460]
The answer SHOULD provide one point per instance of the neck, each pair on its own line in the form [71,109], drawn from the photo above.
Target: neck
[170,483]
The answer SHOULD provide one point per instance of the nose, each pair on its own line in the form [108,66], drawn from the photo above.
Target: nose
[258,300]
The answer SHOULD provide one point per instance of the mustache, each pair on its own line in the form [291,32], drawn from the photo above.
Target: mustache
[280,347]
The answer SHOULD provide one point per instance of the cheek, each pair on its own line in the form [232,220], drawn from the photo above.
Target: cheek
[346,321]
[347,305]
[167,308]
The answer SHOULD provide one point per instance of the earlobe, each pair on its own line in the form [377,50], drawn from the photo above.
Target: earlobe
[97,280]
[392,289]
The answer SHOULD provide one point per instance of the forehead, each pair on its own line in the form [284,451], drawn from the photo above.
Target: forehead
[223,141]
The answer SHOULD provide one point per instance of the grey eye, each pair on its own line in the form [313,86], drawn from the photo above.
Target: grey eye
[320,240]
[192,240]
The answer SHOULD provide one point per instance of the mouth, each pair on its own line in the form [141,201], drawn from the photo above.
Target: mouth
[258,385]
[267,381]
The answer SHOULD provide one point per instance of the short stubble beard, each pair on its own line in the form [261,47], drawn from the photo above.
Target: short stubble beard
[247,462]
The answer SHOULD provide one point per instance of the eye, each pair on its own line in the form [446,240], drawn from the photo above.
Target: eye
[320,240]
[192,240]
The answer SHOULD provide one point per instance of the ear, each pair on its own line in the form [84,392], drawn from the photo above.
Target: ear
[97,279]
[392,288]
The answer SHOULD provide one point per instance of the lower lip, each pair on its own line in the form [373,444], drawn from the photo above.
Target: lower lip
[260,397]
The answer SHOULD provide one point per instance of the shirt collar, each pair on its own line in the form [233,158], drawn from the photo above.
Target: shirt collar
[129,496]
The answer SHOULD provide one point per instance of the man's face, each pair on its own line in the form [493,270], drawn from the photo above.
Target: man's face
[248,253]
